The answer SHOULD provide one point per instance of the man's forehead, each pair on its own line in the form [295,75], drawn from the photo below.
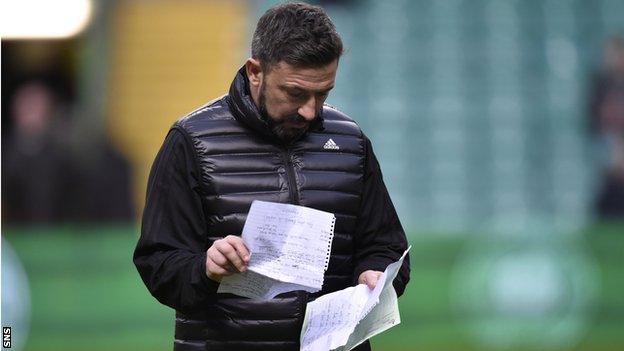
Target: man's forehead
[289,75]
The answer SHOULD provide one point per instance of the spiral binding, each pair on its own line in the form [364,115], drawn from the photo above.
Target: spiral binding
[329,243]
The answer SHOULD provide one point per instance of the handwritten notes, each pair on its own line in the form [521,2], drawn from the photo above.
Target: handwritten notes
[330,319]
[290,248]
[346,318]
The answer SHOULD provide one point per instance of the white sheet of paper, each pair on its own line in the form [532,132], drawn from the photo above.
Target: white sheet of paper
[290,248]
[329,320]
[346,318]
[382,317]
[289,243]
[257,286]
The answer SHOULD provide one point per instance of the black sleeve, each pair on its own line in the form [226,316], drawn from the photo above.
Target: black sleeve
[380,239]
[171,252]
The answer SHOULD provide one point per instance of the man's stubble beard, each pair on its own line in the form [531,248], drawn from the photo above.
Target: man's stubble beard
[278,127]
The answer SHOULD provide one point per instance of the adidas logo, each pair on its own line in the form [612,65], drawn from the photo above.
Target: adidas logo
[331,145]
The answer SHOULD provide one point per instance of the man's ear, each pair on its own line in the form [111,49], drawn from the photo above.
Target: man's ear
[254,72]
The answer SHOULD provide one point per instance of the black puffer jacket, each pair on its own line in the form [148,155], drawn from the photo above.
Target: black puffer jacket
[231,158]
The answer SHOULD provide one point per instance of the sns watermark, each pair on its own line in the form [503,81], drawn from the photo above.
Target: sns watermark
[6,337]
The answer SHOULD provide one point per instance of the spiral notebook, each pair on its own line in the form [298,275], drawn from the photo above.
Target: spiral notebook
[290,248]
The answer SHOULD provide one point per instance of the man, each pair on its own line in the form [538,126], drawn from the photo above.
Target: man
[273,139]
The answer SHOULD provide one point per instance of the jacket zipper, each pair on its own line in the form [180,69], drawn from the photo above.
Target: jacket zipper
[302,296]
[290,172]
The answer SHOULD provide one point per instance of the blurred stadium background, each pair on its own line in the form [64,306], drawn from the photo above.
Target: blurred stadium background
[486,116]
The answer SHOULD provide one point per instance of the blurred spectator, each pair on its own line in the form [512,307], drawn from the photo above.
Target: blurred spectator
[46,179]
[36,166]
[104,182]
[607,122]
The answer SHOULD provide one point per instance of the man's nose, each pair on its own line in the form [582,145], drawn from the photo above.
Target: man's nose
[308,109]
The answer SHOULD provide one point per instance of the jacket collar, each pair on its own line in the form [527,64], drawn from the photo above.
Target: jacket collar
[246,112]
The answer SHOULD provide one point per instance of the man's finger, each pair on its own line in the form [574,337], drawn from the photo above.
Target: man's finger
[215,271]
[218,258]
[240,247]
[227,250]
[369,278]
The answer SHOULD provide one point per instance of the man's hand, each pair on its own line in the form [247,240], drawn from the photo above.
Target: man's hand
[369,278]
[226,256]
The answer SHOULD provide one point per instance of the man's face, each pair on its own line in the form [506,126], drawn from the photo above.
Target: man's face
[293,97]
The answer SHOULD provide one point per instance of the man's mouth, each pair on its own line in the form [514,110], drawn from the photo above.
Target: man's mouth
[295,124]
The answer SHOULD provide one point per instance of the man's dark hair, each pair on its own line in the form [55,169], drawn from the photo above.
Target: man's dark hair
[299,34]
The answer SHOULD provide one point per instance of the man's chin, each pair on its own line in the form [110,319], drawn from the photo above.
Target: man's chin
[290,134]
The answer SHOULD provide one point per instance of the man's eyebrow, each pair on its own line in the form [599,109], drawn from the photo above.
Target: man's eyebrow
[327,90]
[300,89]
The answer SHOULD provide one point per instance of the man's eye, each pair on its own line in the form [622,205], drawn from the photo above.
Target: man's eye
[295,95]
